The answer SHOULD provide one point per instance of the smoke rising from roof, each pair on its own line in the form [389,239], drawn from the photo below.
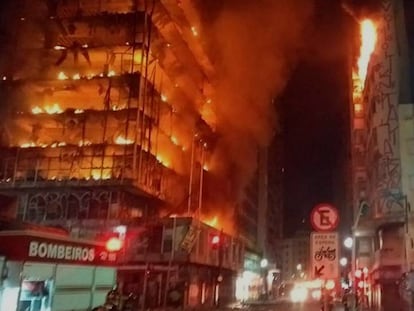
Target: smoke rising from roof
[253,46]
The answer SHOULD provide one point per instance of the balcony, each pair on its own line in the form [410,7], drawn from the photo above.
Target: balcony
[388,257]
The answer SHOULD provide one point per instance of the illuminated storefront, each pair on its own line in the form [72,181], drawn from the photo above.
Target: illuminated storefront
[43,271]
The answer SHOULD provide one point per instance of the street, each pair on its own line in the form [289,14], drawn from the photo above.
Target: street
[285,306]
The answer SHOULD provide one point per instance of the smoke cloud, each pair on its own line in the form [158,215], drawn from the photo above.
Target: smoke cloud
[253,46]
[360,9]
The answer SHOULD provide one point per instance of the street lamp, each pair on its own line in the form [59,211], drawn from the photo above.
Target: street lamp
[299,267]
[349,242]
[343,261]
[263,263]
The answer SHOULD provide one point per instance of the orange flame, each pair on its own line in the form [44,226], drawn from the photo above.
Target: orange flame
[98,174]
[123,141]
[62,76]
[162,160]
[213,222]
[37,110]
[369,39]
[53,109]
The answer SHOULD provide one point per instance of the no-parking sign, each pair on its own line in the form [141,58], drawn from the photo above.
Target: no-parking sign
[324,217]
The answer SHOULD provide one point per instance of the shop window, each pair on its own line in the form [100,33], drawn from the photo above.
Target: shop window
[35,296]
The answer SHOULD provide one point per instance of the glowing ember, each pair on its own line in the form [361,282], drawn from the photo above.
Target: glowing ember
[205,167]
[164,98]
[62,76]
[174,140]
[120,140]
[77,111]
[58,144]
[28,145]
[368,41]
[194,31]
[76,76]
[84,143]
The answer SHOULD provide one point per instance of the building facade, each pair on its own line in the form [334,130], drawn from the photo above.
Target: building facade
[260,211]
[295,257]
[382,157]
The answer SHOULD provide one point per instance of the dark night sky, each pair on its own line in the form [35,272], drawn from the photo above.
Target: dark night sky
[314,113]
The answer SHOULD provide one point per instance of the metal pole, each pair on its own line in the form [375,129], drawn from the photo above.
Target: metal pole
[200,198]
[172,252]
[200,203]
[353,269]
[353,259]
[190,182]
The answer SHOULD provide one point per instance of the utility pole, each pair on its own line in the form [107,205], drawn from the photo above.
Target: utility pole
[354,228]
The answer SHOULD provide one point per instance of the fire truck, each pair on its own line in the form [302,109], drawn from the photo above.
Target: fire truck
[42,271]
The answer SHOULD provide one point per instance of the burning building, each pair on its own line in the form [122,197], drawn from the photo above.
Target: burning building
[106,124]
[110,119]
[381,139]
[101,99]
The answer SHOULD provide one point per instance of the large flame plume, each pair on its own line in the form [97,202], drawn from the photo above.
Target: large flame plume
[368,41]
[368,33]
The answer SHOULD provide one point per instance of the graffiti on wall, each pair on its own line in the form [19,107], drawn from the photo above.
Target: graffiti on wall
[384,165]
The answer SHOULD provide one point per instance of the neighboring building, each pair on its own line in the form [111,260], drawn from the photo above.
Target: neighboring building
[295,257]
[103,133]
[382,135]
[260,212]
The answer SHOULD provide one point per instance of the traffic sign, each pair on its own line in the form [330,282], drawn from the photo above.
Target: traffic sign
[324,255]
[324,217]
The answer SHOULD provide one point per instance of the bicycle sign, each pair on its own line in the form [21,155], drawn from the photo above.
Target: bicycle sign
[327,253]
[324,255]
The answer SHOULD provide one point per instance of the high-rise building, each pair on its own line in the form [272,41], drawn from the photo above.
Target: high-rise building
[260,211]
[104,127]
[382,156]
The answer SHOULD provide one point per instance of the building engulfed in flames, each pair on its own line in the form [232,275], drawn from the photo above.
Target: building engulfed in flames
[101,102]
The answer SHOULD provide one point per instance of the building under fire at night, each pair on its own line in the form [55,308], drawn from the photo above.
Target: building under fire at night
[382,156]
[105,131]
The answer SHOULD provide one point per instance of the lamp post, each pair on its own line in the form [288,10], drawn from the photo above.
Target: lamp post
[352,243]
[263,265]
